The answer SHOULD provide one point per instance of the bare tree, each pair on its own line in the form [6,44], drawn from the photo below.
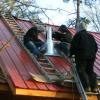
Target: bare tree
[78,12]
[21,8]
[92,12]
[30,10]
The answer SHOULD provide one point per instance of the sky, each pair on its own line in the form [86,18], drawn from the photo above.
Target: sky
[57,17]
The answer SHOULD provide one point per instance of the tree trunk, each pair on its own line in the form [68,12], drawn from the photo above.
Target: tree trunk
[78,12]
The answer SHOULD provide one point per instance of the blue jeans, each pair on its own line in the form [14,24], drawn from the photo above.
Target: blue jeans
[63,46]
[34,48]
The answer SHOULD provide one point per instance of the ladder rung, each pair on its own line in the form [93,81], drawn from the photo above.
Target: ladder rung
[15,26]
[70,81]
[19,31]
[92,93]
[11,22]
[49,71]
[42,60]
[42,63]
[52,73]
[8,17]
[7,14]
[54,77]
[49,68]
[43,66]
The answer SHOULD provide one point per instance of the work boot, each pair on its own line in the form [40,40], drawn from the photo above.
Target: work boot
[94,90]
[59,83]
[87,89]
[43,51]
[41,56]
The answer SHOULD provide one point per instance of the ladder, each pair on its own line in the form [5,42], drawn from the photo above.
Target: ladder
[44,65]
[47,69]
[84,95]
[13,25]
[77,80]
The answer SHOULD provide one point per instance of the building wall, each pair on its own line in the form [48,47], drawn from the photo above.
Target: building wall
[8,96]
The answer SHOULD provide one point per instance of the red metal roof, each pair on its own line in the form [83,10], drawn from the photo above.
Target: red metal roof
[16,65]
[97,60]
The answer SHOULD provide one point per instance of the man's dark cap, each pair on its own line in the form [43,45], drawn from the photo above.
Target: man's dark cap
[62,28]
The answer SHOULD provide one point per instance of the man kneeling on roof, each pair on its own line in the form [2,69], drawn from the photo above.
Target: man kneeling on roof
[33,43]
[62,39]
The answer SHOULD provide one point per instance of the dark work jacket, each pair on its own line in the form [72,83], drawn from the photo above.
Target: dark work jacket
[31,35]
[83,45]
[66,37]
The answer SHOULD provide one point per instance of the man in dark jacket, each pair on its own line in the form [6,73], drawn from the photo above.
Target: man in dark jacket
[84,47]
[32,42]
[63,39]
